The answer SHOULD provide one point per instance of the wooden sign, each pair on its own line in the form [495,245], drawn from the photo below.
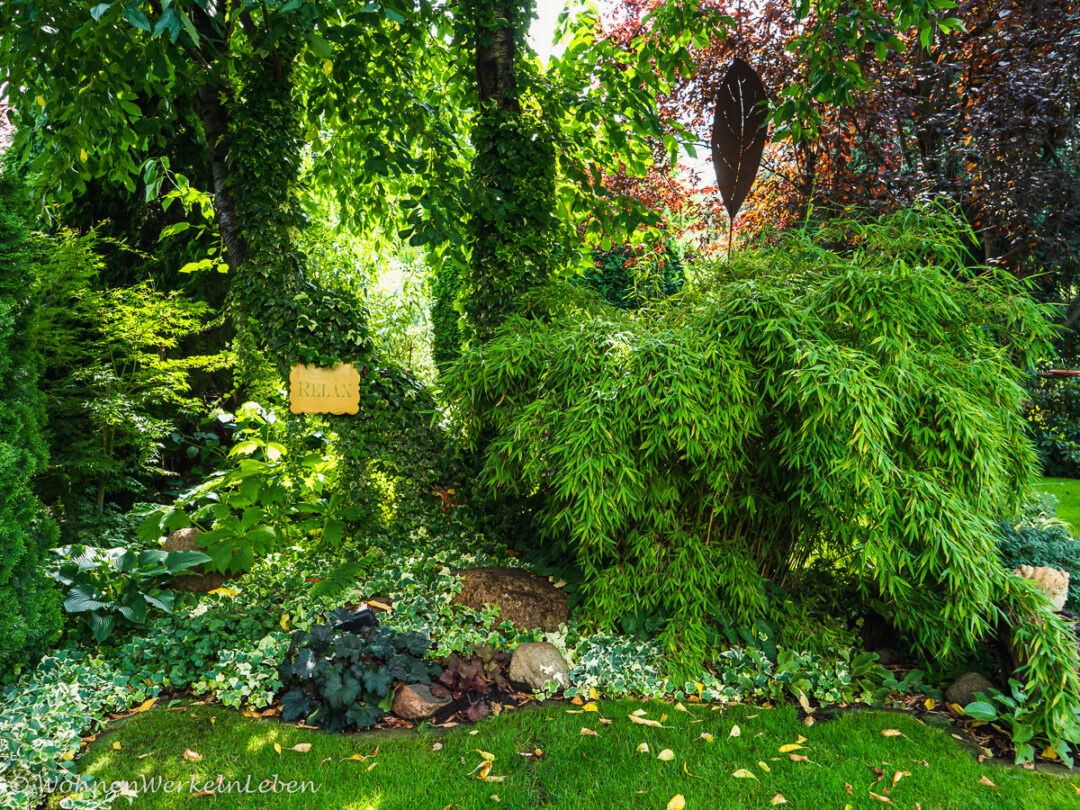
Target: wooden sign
[324,390]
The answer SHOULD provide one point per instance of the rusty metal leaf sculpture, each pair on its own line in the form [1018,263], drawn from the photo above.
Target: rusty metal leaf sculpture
[738,136]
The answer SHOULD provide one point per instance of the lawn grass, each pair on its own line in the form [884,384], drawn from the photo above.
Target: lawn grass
[1067,492]
[576,771]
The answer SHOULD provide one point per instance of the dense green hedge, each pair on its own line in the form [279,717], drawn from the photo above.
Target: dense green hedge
[29,607]
[859,405]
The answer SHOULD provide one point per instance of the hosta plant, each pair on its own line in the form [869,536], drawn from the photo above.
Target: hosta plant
[110,587]
[337,680]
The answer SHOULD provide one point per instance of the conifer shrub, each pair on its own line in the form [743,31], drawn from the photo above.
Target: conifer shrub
[851,396]
[29,604]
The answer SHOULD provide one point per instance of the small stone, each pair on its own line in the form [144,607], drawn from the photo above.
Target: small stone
[963,689]
[414,701]
[537,664]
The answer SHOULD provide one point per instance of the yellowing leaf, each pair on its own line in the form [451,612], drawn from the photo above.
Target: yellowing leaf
[284,622]
[764,767]
[67,756]
[83,156]
[680,708]
[983,780]
[638,713]
[700,688]
[41,101]
[277,747]
[879,797]
[644,721]
[891,732]
[380,605]
[666,755]
[593,694]
[643,748]
[735,731]
[800,739]
[663,717]
[929,703]
[327,67]
[116,746]
[488,757]
[224,591]
[590,707]
[742,773]
[787,749]
[777,799]
[1050,753]
[192,756]
[677,802]
[588,732]
[707,737]
[303,748]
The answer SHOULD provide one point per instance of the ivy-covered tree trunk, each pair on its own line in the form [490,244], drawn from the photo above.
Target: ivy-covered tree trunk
[513,172]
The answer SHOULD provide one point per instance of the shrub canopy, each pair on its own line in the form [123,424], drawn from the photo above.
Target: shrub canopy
[857,404]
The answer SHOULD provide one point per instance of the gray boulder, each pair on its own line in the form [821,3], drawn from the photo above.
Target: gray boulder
[963,689]
[539,663]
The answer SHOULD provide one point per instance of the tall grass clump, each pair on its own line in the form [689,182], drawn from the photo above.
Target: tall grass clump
[852,395]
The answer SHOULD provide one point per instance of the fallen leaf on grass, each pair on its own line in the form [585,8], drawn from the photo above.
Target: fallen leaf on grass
[144,756]
[588,732]
[735,731]
[146,706]
[764,767]
[984,781]
[666,755]
[605,720]
[680,708]
[643,748]
[302,748]
[800,739]
[116,746]
[485,772]
[847,787]
[663,717]
[787,749]
[691,775]
[707,737]
[677,802]
[192,756]
[246,713]
[930,703]
[892,732]
[638,713]
[798,758]
[742,773]
[487,756]
[437,747]
[896,777]
[304,725]
[277,747]
[922,762]
[879,797]
[808,720]
[590,707]
[644,721]
[203,793]
[778,799]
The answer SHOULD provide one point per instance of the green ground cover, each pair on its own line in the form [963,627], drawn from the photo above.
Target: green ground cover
[576,769]
[1067,492]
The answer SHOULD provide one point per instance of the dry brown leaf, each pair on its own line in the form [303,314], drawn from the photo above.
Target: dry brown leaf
[984,781]
[922,762]
[203,793]
[192,756]
[144,756]
[879,797]
[605,720]
[847,787]
[798,758]
[896,777]
[808,720]
[588,732]
[707,737]
[892,732]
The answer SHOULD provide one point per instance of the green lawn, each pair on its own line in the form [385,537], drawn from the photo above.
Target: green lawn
[576,771]
[1067,492]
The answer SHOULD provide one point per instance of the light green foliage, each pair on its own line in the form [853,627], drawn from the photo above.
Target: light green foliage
[114,376]
[29,608]
[861,406]
[117,586]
